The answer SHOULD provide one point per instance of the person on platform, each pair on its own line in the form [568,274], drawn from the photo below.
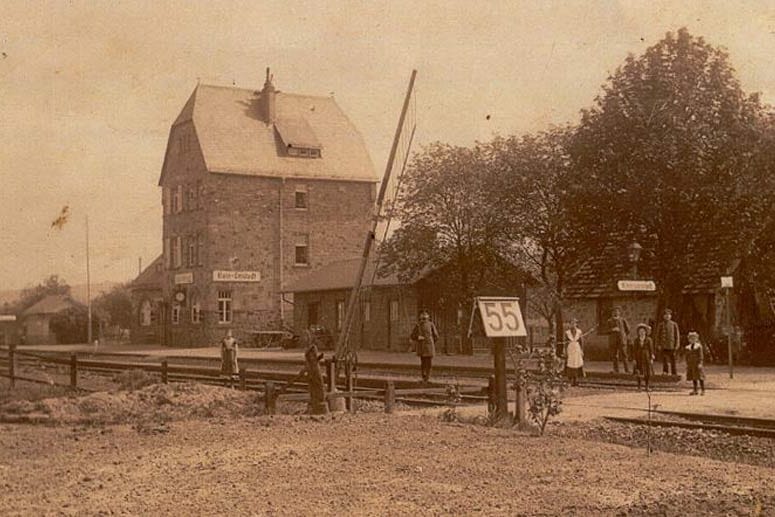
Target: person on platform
[668,340]
[424,337]
[618,335]
[695,370]
[643,353]
[229,355]
[574,352]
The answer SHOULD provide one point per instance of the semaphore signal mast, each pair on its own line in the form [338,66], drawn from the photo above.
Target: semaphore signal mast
[344,352]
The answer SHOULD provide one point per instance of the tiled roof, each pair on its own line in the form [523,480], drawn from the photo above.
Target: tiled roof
[707,260]
[151,276]
[235,140]
[51,304]
[340,275]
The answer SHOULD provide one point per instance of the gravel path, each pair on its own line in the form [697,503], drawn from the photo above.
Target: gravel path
[365,464]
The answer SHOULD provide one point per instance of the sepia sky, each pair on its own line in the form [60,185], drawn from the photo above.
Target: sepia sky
[89,89]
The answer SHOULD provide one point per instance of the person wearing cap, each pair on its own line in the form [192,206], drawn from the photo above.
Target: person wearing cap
[574,352]
[618,335]
[668,340]
[424,337]
[695,371]
[643,352]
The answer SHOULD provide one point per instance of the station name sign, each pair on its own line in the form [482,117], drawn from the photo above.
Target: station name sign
[236,276]
[636,285]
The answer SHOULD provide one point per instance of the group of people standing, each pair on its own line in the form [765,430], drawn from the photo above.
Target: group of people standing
[641,349]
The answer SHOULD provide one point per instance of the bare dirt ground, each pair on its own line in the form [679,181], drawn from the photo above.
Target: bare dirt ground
[189,461]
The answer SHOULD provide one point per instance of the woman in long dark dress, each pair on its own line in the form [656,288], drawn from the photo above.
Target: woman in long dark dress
[643,350]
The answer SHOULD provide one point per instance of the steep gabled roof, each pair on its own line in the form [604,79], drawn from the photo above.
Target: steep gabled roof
[234,138]
[52,304]
[152,276]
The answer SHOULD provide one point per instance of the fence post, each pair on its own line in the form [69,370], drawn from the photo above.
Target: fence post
[164,372]
[73,371]
[390,396]
[269,398]
[491,395]
[243,379]
[520,413]
[330,365]
[12,363]
[349,385]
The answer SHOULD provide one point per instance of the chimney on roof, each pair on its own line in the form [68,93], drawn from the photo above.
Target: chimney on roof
[266,100]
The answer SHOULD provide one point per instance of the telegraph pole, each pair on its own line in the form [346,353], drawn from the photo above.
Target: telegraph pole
[88,285]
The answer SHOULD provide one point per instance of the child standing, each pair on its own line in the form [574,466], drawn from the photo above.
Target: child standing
[694,363]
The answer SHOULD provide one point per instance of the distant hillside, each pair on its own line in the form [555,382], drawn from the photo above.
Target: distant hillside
[78,292]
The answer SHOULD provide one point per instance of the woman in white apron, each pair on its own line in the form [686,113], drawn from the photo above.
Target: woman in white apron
[574,352]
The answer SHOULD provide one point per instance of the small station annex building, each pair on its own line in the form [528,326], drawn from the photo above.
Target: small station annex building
[259,188]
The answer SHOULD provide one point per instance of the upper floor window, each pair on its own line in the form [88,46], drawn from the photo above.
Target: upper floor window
[302,251]
[300,200]
[165,200]
[196,310]
[146,313]
[167,253]
[177,252]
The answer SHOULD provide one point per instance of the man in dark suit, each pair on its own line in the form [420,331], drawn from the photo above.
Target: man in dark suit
[668,340]
[618,336]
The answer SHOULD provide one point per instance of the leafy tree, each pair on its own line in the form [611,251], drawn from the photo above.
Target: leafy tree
[528,189]
[445,221]
[115,306]
[70,325]
[671,153]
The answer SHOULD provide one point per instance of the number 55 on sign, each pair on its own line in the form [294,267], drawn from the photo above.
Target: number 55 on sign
[501,317]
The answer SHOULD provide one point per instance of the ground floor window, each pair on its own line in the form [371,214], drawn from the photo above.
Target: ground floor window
[196,312]
[339,315]
[224,307]
[393,310]
[175,314]
[146,313]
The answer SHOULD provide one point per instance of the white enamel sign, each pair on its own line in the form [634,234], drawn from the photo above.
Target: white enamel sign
[501,316]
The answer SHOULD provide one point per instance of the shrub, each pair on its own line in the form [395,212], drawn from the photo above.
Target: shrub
[544,389]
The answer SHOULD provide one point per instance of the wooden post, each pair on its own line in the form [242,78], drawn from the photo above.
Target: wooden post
[269,398]
[390,396]
[73,371]
[520,410]
[12,363]
[317,396]
[164,378]
[330,365]
[349,384]
[501,394]
[729,333]
[243,379]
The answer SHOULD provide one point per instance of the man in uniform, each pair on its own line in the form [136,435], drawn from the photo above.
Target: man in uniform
[424,336]
[668,340]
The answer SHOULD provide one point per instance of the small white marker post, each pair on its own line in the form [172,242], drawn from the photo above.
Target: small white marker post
[727,283]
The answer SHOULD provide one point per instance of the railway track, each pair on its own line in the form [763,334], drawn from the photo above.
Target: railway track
[729,424]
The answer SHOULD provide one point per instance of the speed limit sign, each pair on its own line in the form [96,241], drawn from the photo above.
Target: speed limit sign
[501,317]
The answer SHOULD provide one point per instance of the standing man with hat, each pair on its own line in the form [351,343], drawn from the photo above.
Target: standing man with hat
[668,340]
[618,335]
[424,336]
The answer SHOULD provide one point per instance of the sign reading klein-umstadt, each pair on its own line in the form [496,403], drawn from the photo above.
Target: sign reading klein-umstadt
[501,316]
[236,276]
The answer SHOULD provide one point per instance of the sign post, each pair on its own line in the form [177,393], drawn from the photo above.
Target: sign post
[501,319]
[727,283]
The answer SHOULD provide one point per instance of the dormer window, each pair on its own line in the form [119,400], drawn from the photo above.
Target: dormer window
[303,152]
[298,138]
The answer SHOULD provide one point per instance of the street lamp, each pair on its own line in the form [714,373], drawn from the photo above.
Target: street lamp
[633,253]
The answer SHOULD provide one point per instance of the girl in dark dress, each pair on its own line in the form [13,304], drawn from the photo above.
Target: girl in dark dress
[643,350]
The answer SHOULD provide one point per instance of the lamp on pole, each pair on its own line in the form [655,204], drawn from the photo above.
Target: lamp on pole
[633,253]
